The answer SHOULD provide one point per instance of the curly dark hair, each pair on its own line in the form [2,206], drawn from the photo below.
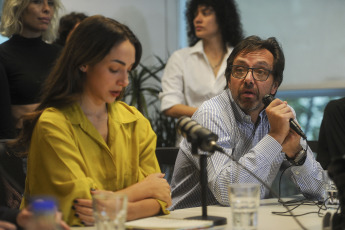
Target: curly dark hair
[227,17]
[66,24]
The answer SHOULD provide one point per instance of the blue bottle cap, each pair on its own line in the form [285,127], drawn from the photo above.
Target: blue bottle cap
[42,205]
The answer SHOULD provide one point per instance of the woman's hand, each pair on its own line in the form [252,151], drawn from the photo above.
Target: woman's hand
[24,217]
[4,225]
[153,186]
[158,187]
[83,210]
[60,222]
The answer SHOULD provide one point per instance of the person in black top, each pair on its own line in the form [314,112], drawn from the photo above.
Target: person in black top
[331,142]
[6,122]
[26,57]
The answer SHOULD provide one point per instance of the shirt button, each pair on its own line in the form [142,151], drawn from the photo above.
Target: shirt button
[297,173]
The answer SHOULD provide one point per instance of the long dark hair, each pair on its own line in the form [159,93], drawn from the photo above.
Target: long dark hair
[227,16]
[89,44]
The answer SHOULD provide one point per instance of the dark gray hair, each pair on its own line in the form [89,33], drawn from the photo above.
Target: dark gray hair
[253,43]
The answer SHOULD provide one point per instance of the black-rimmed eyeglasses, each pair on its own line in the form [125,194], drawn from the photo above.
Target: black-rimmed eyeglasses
[259,74]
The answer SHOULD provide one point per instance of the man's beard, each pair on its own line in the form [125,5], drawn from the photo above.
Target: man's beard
[248,106]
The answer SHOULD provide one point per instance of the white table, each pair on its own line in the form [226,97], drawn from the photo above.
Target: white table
[266,220]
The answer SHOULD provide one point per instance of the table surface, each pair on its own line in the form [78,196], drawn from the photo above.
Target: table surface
[266,220]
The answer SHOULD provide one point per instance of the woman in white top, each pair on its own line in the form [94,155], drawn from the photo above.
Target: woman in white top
[195,74]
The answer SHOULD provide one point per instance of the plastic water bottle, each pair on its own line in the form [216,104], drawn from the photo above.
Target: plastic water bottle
[44,210]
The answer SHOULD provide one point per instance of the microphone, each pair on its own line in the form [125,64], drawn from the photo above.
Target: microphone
[293,125]
[195,133]
[206,141]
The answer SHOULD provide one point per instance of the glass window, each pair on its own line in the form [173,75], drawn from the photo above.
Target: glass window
[309,106]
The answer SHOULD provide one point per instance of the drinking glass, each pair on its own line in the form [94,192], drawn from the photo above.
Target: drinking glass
[330,192]
[244,201]
[110,210]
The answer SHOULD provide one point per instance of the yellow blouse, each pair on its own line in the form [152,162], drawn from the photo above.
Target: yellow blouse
[68,156]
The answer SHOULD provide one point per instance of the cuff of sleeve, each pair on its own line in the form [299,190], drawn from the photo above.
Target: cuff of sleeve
[305,168]
[163,207]
[168,100]
[269,147]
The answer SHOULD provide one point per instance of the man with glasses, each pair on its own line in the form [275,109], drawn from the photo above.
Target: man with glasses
[259,138]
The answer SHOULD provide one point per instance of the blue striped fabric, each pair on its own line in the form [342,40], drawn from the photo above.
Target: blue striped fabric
[249,144]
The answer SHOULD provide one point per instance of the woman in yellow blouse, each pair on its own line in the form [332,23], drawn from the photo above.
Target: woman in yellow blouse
[83,139]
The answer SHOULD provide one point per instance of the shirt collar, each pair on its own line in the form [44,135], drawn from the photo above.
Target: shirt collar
[118,113]
[199,48]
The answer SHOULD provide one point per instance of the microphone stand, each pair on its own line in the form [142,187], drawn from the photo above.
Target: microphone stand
[204,139]
[217,220]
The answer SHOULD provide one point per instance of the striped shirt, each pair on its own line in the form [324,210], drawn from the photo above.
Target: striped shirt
[249,144]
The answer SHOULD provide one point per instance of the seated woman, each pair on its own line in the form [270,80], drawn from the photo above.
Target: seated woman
[195,74]
[84,139]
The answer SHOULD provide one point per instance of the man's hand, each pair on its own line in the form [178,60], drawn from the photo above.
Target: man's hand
[291,144]
[279,115]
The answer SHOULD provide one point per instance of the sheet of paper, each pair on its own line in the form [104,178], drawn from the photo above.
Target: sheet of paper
[167,223]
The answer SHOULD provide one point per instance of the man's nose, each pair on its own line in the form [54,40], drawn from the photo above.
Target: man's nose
[250,77]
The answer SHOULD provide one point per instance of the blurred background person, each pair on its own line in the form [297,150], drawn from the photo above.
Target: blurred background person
[195,74]
[67,25]
[332,133]
[27,57]
[93,140]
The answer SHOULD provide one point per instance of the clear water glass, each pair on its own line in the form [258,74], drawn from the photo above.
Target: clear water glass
[110,211]
[244,201]
[330,192]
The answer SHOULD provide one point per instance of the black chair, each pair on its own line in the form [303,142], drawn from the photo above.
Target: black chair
[12,177]
[166,157]
[313,145]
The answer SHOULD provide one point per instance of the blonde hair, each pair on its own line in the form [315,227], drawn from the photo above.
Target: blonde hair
[12,11]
